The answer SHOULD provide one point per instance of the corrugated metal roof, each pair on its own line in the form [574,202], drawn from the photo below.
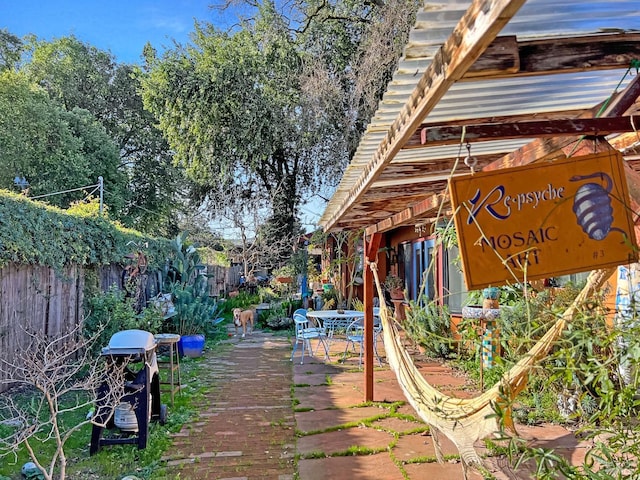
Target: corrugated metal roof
[427,168]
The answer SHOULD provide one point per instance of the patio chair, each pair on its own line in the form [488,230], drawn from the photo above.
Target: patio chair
[304,332]
[302,311]
[355,335]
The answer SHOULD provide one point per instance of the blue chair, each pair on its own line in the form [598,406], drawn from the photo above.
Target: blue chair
[304,332]
[300,311]
[355,335]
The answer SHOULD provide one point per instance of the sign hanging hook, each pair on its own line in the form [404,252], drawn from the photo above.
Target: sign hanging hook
[470,161]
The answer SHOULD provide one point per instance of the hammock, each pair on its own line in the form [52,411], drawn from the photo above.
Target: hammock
[464,421]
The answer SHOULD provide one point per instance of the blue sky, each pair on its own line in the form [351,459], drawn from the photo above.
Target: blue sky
[122,27]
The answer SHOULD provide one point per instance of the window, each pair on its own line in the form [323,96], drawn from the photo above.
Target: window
[417,266]
[454,290]
[575,278]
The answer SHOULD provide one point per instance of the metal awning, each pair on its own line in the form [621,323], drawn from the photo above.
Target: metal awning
[482,64]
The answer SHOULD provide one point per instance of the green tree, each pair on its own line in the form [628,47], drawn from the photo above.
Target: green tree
[54,149]
[10,50]
[76,74]
[157,186]
[274,109]
[232,109]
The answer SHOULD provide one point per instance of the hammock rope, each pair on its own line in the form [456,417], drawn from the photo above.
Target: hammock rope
[465,421]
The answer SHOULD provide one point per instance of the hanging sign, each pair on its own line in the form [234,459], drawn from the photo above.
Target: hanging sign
[543,220]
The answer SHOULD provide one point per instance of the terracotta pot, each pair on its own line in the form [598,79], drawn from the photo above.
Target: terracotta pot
[490,303]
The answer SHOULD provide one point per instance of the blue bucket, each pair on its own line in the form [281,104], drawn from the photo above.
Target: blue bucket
[191,346]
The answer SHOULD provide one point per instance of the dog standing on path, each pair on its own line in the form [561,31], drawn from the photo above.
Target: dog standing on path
[244,319]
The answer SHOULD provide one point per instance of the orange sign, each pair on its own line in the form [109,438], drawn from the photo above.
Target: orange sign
[543,220]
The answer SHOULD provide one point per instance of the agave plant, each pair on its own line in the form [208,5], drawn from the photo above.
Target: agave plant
[428,324]
[194,310]
[186,263]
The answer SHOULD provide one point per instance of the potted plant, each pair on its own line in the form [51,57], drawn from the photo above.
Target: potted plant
[194,309]
[194,314]
[284,274]
[394,286]
[491,297]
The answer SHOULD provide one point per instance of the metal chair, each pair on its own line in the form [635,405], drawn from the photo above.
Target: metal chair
[301,311]
[355,335]
[304,332]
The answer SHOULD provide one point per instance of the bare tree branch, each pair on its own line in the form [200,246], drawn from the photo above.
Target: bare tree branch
[50,378]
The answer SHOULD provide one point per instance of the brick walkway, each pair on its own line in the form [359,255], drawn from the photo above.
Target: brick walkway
[246,428]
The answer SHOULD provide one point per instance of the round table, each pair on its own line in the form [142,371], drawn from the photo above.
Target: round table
[333,320]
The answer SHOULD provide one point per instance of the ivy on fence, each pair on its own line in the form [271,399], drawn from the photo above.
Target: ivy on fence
[35,233]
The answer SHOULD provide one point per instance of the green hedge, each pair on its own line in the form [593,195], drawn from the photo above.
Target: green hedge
[35,233]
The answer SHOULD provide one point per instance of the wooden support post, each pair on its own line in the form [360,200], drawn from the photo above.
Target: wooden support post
[371,253]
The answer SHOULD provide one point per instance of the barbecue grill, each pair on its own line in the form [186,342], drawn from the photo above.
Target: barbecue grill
[141,400]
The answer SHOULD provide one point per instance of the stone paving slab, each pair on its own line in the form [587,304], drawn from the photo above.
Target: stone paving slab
[378,467]
[437,471]
[308,421]
[326,397]
[247,426]
[399,425]
[339,442]
[416,446]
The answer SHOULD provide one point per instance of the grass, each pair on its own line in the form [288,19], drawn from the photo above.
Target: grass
[115,461]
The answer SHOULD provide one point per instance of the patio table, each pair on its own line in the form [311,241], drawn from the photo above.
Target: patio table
[334,320]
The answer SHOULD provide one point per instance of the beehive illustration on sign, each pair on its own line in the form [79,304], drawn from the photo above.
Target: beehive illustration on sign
[592,206]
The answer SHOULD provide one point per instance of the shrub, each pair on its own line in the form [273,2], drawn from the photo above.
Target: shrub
[243,300]
[110,312]
[428,325]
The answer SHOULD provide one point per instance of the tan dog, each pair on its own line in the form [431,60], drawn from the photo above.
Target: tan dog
[243,318]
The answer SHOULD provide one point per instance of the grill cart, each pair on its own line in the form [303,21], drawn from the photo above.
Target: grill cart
[135,352]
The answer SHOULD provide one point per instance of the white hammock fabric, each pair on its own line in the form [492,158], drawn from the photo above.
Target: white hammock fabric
[464,421]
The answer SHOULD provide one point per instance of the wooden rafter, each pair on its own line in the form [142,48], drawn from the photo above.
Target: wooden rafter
[508,57]
[451,135]
[475,31]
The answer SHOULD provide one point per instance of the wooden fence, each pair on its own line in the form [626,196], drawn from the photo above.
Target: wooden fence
[36,298]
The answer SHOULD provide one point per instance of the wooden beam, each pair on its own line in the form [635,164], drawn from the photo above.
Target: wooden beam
[372,247]
[548,148]
[475,31]
[622,102]
[555,55]
[451,135]
[415,140]
[501,57]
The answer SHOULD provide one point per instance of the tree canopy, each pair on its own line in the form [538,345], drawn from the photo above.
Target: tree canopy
[55,149]
[77,94]
[265,113]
